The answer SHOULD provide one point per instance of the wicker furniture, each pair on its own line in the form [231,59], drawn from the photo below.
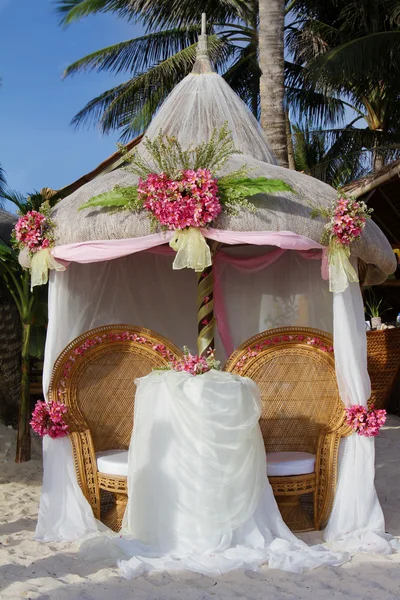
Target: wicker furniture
[302,418]
[383,349]
[94,376]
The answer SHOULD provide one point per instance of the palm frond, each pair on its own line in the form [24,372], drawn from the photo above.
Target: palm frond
[244,76]
[130,105]
[74,10]
[158,14]
[2,184]
[358,61]
[133,56]
[24,203]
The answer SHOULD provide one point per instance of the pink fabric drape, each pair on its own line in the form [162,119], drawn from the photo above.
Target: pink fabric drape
[100,250]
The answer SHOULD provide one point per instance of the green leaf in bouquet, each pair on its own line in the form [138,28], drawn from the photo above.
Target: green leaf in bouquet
[116,198]
[246,186]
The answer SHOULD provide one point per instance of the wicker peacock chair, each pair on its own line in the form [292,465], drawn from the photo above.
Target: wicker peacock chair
[95,377]
[302,418]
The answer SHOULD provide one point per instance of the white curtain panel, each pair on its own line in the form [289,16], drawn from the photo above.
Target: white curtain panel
[356,522]
[290,292]
[142,289]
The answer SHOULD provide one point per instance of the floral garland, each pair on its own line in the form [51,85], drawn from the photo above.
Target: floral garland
[184,190]
[347,218]
[281,339]
[48,419]
[193,364]
[365,421]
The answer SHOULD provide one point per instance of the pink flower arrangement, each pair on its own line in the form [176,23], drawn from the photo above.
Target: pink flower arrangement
[191,200]
[348,219]
[365,421]
[48,419]
[31,231]
[195,365]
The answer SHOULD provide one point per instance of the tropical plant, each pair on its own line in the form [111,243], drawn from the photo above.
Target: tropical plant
[32,309]
[374,306]
[160,58]
[343,56]
[351,49]
[316,156]
[2,184]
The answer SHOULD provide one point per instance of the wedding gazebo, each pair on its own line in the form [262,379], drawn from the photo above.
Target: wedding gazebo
[269,269]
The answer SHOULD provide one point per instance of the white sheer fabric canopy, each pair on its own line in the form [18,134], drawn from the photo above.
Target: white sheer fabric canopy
[142,289]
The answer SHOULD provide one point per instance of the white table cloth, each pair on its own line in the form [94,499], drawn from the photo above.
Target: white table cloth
[198,494]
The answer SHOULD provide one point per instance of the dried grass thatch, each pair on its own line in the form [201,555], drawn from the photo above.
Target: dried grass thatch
[200,103]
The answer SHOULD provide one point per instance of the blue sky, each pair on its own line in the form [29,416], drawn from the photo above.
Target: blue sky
[38,147]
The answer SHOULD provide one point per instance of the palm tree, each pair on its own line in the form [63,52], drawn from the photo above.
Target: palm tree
[352,49]
[32,311]
[158,60]
[272,85]
[315,156]
[2,183]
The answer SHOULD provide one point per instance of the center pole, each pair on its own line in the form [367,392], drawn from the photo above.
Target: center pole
[205,311]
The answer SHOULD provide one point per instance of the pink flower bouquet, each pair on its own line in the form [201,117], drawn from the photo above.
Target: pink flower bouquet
[188,201]
[31,231]
[193,364]
[365,421]
[48,419]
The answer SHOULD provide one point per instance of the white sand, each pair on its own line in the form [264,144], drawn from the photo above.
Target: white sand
[33,570]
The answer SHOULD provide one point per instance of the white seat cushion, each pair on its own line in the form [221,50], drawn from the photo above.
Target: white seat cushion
[280,464]
[113,462]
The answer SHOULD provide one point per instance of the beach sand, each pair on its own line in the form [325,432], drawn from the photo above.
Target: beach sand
[29,569]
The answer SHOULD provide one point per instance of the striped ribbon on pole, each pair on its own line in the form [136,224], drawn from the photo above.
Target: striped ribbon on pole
[205,311]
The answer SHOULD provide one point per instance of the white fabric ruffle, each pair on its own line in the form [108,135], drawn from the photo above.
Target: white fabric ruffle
[199,497]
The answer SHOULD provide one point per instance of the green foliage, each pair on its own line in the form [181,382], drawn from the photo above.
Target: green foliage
[116,198]
[34,201]
[2,184]
[351,49]
[170,158]
[167,156]
[158,60]
[374,306]
[235,191]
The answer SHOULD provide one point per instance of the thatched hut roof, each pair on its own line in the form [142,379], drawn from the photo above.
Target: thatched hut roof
[201,102]
[7,222]
[382,193]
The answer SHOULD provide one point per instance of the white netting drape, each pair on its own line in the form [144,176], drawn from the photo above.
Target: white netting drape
[142,289]
[356,522]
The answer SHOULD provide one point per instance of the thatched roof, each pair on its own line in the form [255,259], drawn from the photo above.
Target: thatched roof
[7,222]
[201,102]
[115,161]
[382,193]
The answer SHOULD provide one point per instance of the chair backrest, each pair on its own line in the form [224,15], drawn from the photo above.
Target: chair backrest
[383,363]
[95,377]
[295,371]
